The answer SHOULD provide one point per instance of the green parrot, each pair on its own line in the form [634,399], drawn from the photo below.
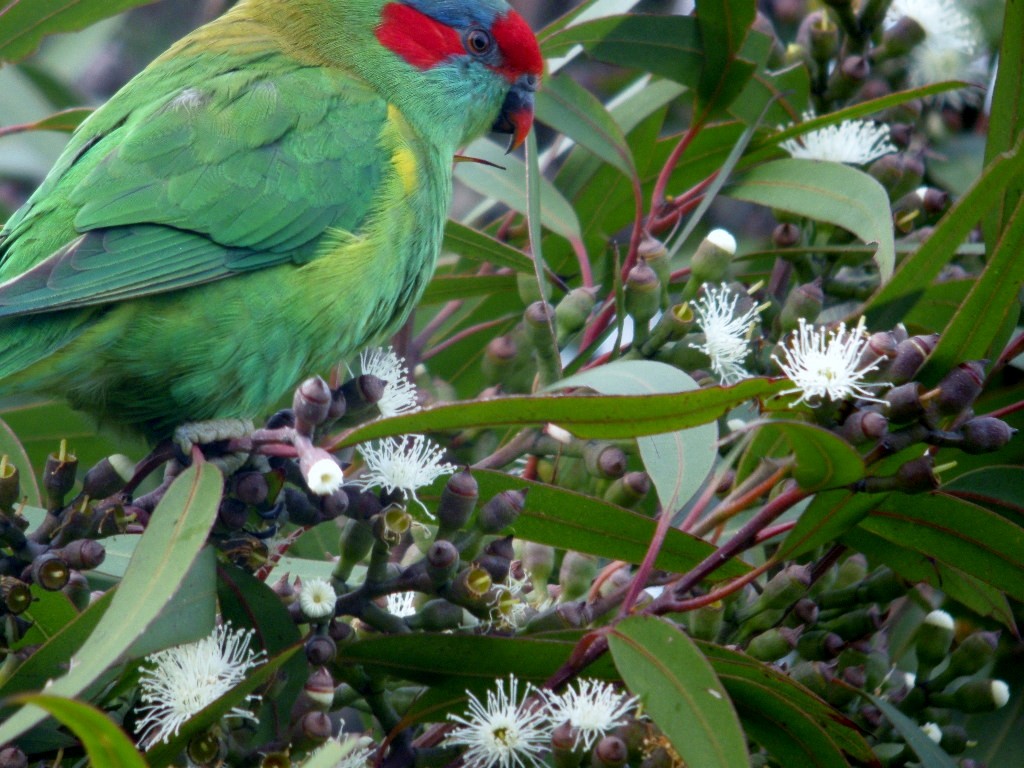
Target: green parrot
[264,199]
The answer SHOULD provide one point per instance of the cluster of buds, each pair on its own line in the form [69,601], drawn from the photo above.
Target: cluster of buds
[833,636]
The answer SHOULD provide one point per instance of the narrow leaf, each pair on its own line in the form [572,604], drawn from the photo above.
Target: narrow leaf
[680,692]
[64,121]
[555,516]
[823,460]
[930,753]
[105,744]
[723,28]
[475,245]
[824,191]
[588,416]
[24,23]
[11,447]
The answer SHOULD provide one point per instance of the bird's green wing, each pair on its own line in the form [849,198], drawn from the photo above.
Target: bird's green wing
[246,168]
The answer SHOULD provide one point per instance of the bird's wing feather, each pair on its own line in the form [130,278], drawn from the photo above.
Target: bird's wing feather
[246,170]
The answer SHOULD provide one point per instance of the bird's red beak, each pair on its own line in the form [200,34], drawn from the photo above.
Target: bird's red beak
[516,116]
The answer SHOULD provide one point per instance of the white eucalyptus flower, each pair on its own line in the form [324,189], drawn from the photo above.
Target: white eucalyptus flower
[726,333]
[593,708]
[504,733]
[183,680]
[823,363]
[325,477]
[399,393]
[405,464]
[400,604]
[857,142]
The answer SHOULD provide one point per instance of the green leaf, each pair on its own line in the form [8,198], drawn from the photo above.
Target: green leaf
[561,518]
[795,726]
[916,272]
[823,459]
[677,462]
[105,744]
[1006,116]
[953,531]
[507,184]
[995,487]
[445,288]
[475,245]
[668,46]
[679,691]
[65,121]
[587,416]
[176,533]
[824,191]
[569,108]
[248,602]
[723,28]
[24,23]
[11,447]
[981,325]
[930,753]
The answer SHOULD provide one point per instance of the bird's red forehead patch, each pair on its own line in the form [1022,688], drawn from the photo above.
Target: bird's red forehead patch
[519,49]
[417,38]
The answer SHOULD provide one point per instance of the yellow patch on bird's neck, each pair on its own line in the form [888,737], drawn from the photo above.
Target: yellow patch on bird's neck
[403,159]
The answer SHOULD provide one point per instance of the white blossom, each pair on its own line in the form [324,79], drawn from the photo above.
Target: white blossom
[726,334]
[317,598]
[722,238]
[593,708]
[1000,693]
[404,464]
[185,679]
[823,363]
[400,604]
[852,141]
[324,477]
[932,731]
[399,392]
[504,733]
[951,48]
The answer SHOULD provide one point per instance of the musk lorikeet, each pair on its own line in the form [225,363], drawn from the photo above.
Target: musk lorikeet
[264,199]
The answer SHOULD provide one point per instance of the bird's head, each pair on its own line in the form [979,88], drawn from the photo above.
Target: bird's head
[479,57]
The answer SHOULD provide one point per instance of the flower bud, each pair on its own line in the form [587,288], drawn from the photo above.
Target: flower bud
[971,656]
[643,295]
[629,490]
[437,615]
[458,499]
[501,511]
[12,757]
[82,554]
[901,37]
[804,301]
[564,751]
[78,591]
[864,426]
[984,434]
[976,696]
[953,739]
[813,675]
[320,650]
[10,485]
[108,476]
[311,402]
[656,256]
[933,640]
[319,688]
[706,622]
[206,749]
[250,487]
[50,572]
[781,591]
[539,562]
[910,356]
[823,39]
[786,234]
[604,461]
[496,565]
[848,77]
[712,259]
[856,624]
[442,561]
[573,311]
[772,644]
[574,615]
[820,645]
[905,403]
[312,730]
[284,590]
[361,394]
[502,356]
[609,752]
[960,387]
[806,611]
[356,542]
[576,574]
[232,514]
[673,325]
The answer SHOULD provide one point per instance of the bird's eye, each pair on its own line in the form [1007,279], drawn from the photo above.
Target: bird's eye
[478,42]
